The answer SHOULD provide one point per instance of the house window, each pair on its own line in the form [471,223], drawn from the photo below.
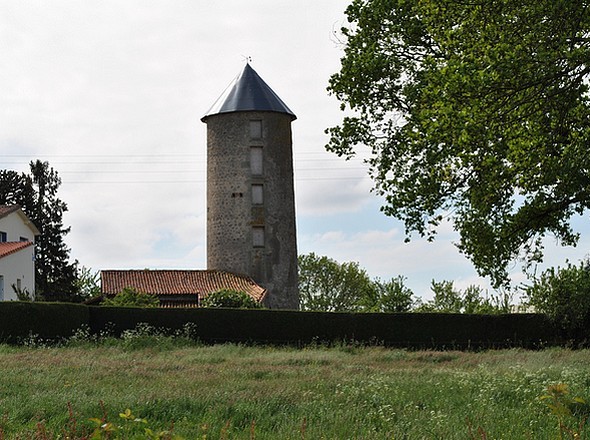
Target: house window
[24,239]
[3,237]
[256,129]
[258,236]
[256,161]
[257,195]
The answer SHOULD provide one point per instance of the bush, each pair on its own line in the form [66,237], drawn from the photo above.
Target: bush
[563,294]
[130,297]
[389,297]
[46,321]
[232,299]
[472,300]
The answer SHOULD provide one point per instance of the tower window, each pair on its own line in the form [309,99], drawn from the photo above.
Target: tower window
[256,160]
[258,236]
[257,195]
[256,129]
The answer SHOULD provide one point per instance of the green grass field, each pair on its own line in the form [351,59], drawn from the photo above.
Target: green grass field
[232,391]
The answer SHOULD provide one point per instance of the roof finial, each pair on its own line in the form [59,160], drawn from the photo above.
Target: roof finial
[247,59]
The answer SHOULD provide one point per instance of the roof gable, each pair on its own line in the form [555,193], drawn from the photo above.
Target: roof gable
[6,210]
[178,282]
[248,92]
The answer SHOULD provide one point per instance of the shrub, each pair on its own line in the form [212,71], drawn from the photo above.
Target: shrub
[389,297]
[472,300]
[326,285]
[35,320]
[130,297]
[563,294]
[232,299]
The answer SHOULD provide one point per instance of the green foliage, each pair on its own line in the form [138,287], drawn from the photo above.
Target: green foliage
[231,299]
[389,297]
[42,324]
[129,426]
[130,297]
[22,294]
[475,112]
[328,286]
[563,294]
[87,283]
[27,321]
[36,193]
[572,413]
[472,300]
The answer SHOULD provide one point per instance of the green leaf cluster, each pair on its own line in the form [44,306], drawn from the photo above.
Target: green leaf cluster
[472,300]
[130,297]
[232,299]
[477,112]
[563,294]
[571,412]
[329,286]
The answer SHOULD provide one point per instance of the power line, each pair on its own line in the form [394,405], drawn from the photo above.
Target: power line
[119,182]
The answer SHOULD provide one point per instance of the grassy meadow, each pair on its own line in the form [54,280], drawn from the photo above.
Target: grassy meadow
[176,387]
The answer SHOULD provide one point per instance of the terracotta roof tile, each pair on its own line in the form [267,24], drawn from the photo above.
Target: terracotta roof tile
[178,282]
[7,209]
[10,247]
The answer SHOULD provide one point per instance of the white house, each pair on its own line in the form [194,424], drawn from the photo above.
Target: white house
[17,252]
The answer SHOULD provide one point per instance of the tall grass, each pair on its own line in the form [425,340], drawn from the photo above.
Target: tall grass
[234,391]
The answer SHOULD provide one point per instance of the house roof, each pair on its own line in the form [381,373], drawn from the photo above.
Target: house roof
[178,282]
[9,209]
[248,92]
[11,247]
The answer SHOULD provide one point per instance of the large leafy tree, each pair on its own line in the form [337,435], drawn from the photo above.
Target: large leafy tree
[328,286]
[36,193]
[473,111]
[391,296]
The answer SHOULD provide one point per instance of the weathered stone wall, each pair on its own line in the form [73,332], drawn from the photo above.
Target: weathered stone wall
[232,215]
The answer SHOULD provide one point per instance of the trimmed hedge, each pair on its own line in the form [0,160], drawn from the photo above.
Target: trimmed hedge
[19,320]
[416,330]
[419,330]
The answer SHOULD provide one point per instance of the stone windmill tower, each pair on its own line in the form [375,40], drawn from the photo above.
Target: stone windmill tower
[250,193]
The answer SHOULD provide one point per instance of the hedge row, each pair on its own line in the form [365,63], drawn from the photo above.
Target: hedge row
[18,320]
[420,330]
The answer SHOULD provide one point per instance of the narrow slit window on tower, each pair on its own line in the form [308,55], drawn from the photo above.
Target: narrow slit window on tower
[257,194]
[256,160]
[256,129]
[258,236]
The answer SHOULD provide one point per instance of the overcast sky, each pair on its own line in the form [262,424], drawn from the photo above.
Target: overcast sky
[111,94]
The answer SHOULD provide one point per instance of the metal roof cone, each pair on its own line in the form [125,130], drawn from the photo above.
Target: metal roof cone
[248,92]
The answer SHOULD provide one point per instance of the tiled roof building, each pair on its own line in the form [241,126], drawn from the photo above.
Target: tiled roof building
[178,288]
[17,253]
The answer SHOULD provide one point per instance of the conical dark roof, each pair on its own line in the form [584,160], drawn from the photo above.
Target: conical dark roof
[248,92]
